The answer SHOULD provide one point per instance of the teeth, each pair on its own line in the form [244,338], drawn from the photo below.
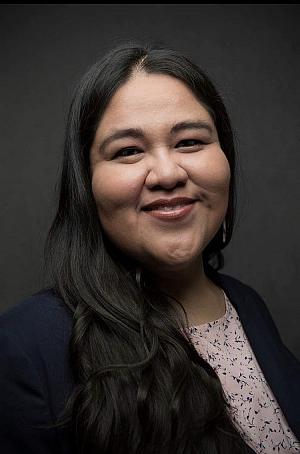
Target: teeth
[167,208]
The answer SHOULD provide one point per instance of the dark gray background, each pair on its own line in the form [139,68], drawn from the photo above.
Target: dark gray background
[252,54]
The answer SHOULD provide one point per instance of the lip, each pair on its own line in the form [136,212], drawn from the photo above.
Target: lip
[160,203]
[182,207]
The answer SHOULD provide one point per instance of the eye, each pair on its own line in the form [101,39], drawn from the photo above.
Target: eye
[189,143]
[127,152]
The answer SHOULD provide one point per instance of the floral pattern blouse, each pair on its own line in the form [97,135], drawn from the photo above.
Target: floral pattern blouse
[254,409]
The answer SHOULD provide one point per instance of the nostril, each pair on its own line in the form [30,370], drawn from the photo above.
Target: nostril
[168,187]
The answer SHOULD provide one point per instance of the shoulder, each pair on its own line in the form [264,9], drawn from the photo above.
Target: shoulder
[35,377]
[40,324]
[42,304]
[243,296]
[254,314]
[252,309]
[42,315]
[34,343]
[234,285]
[278,364]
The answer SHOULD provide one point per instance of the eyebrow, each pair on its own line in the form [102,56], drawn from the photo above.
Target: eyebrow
[138,133]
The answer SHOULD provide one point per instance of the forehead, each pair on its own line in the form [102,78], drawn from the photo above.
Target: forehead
[151,100]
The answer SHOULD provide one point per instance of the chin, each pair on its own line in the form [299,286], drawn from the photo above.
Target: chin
[175,262]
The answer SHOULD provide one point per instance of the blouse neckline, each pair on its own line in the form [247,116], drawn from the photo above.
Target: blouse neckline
[216,322]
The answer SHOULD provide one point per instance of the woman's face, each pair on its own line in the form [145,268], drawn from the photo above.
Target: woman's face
[159,177]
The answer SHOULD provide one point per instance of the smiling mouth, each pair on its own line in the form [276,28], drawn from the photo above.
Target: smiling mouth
[170,211]
[176,202]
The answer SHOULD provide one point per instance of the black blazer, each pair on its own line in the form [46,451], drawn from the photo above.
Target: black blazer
[35,377]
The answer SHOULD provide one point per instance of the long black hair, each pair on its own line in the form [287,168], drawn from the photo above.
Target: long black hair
[140,384]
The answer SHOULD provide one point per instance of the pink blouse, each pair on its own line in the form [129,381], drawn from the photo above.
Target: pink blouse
[254,409]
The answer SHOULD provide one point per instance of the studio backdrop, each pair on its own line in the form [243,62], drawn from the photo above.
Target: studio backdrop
[251,52]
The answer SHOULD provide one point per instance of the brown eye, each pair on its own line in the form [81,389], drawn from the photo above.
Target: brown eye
[126,152]
[189,142]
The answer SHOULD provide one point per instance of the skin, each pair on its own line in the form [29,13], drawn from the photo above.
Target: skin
[162,165]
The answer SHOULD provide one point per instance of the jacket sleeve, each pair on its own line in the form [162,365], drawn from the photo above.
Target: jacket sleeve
[23,406]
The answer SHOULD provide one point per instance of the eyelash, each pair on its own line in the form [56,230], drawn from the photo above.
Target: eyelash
[118,154]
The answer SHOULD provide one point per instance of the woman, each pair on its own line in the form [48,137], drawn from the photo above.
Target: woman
[141,345]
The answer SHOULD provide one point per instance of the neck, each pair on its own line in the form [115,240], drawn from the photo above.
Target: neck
[202,300]
[183,283]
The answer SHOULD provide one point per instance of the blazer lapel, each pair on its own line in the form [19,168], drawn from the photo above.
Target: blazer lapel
[280,368]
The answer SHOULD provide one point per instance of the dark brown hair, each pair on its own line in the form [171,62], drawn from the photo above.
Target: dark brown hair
[140,384]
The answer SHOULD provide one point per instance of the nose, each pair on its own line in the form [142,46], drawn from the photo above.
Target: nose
[165,172]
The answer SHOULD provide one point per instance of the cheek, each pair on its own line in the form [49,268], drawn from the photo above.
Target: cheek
[114,189]
[212,173]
